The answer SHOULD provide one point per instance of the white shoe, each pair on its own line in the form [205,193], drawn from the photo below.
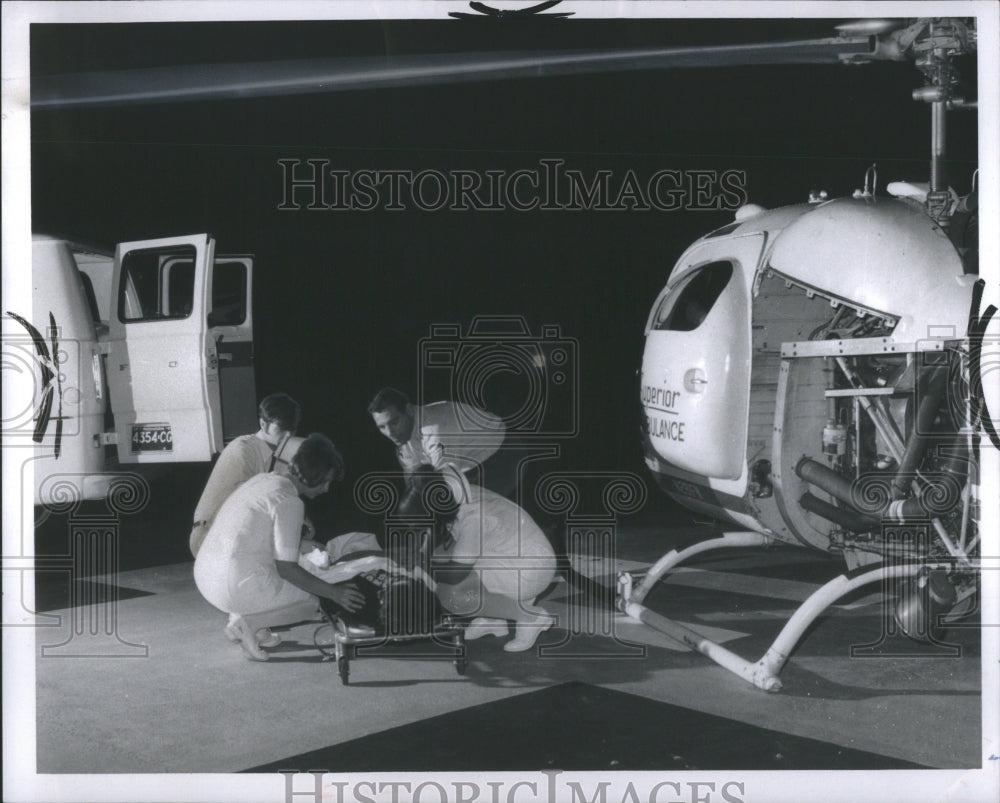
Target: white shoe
[267,638]
[482,626]
[239,631]
[234,628]
[527,633]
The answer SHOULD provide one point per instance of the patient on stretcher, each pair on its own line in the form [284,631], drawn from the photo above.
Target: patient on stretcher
[360,558]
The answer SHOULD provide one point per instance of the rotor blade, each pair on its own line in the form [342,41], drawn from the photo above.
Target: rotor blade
[870,27]
[270,78]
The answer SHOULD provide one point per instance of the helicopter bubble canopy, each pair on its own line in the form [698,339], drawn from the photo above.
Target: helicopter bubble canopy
[858,250]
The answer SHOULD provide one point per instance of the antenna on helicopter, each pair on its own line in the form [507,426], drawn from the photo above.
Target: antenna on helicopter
[932,43]
[934,49]
[871,178]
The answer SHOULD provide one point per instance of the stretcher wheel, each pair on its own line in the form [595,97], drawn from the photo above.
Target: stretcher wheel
[325,641]
[343,666]
[460,661]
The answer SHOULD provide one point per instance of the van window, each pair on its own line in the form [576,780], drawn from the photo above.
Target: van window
[157,284]
[88,291]
[229,294]
[687,305]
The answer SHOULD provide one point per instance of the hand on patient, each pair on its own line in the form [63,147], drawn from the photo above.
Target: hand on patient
[433,446]
[347,596]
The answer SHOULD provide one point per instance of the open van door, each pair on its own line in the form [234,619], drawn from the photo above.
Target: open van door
[163,367]
[230,323]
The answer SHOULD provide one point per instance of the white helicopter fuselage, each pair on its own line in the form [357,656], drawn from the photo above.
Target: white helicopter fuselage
[793,338]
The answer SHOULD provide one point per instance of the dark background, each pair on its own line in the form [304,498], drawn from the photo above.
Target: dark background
[341,299]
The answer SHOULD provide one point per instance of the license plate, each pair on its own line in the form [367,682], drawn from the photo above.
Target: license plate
[152,438]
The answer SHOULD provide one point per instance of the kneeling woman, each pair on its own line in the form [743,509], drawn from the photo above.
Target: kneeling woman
[248,564]
[490,557]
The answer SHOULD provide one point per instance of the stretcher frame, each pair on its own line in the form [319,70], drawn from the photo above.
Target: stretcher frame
[345,646]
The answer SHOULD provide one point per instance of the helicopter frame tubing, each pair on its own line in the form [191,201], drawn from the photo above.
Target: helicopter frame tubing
[674,557]
[762,673]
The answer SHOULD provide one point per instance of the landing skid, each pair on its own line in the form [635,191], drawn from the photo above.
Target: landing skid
[763,673]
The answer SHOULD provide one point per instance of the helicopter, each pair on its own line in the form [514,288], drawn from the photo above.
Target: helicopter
[794,386]
[791,384]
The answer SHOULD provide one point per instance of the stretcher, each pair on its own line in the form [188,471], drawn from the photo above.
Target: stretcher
[336,641]
[401,607]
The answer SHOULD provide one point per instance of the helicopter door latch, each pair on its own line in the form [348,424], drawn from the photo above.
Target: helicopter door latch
[694,380]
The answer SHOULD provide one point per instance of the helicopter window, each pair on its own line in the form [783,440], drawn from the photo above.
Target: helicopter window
[687,305]
[157,284]
[729,228]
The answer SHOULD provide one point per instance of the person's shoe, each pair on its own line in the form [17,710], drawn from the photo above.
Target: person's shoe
[239,631]
[482,626]
[232,628]
[527,633]
[267,638]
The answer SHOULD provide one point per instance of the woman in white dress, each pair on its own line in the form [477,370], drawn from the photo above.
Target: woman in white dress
[248,565]
[490,558]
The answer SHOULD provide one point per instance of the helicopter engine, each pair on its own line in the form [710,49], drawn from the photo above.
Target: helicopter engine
[892,472]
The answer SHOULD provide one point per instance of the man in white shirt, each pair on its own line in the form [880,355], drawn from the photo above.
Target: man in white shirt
[243,458]
[439,434]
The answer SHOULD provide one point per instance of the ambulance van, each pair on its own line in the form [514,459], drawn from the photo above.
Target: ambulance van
[140,356]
